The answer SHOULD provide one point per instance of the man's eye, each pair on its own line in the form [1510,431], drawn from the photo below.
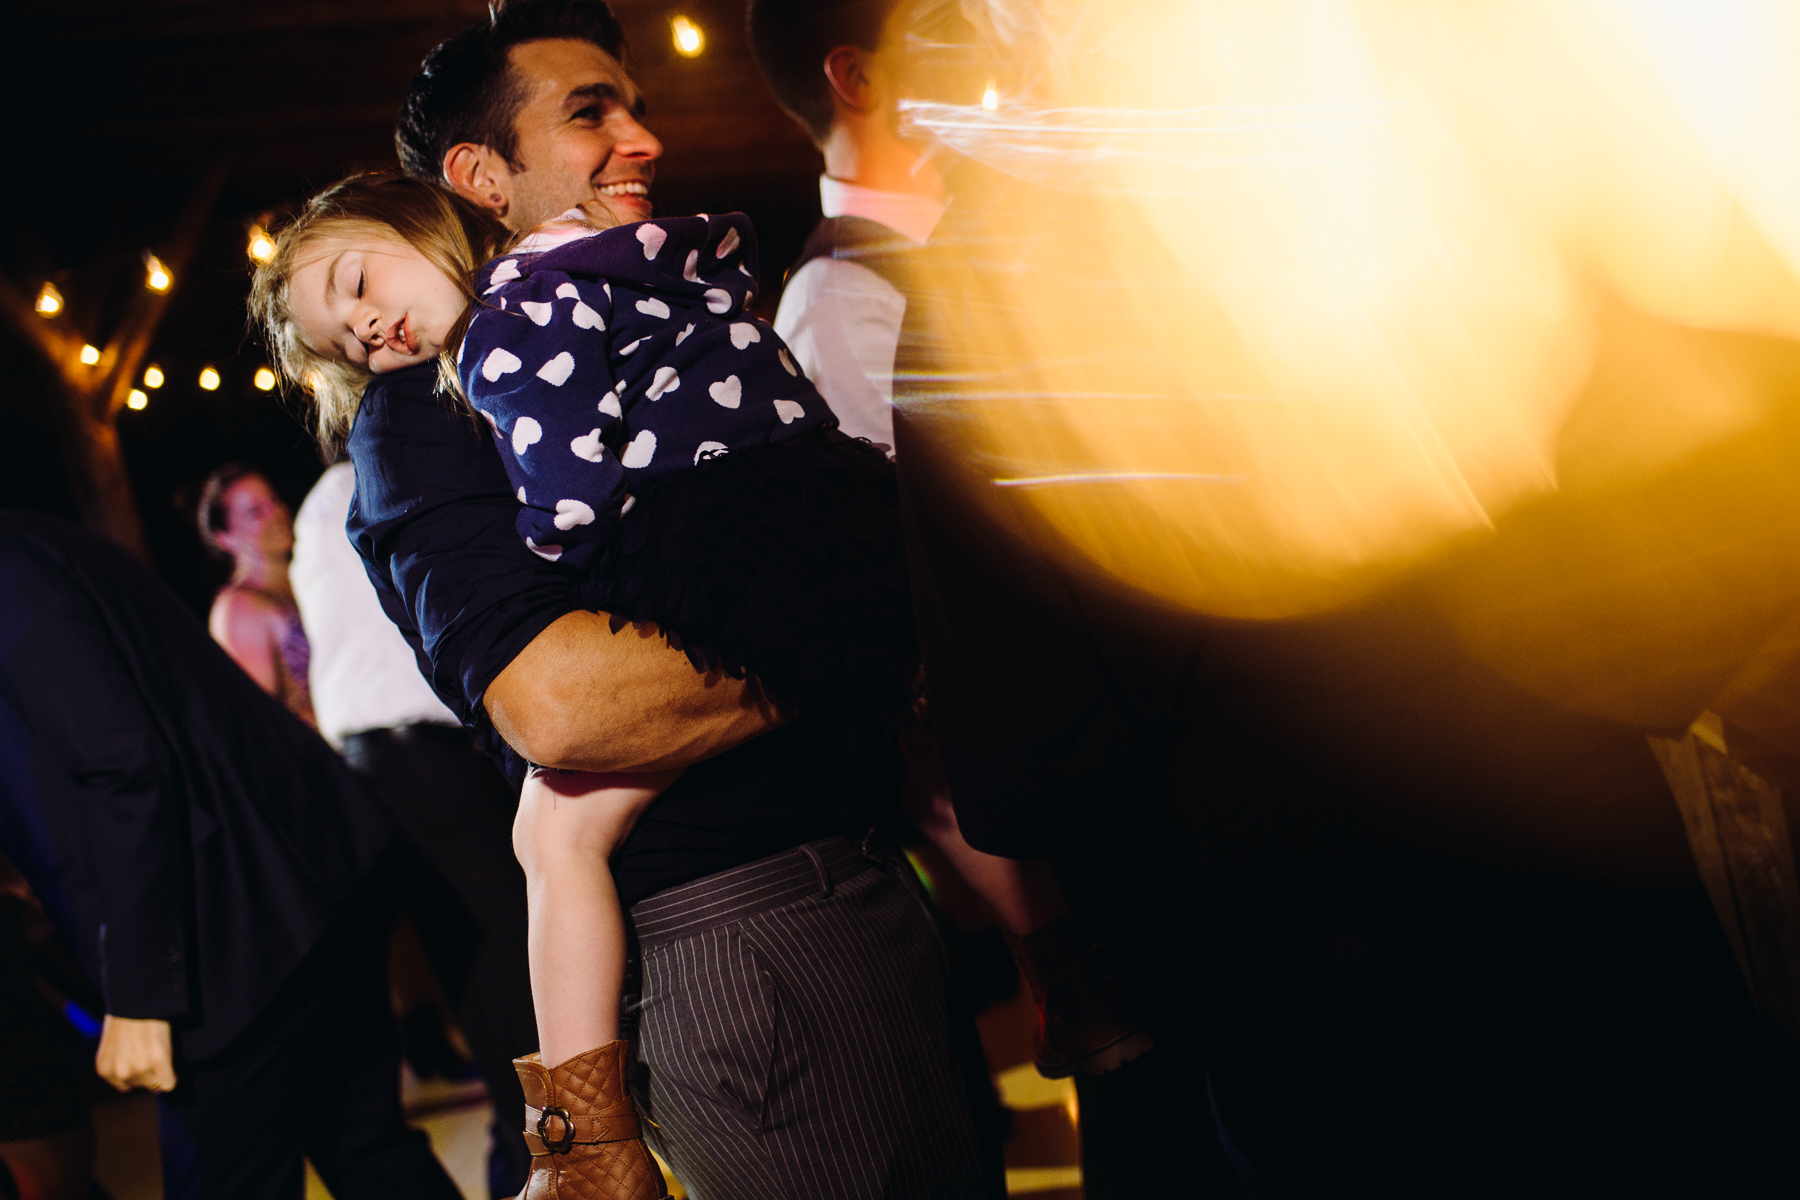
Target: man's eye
[590,113]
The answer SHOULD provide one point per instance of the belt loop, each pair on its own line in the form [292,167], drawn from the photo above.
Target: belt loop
[819,868]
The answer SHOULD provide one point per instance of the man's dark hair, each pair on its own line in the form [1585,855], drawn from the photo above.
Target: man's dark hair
[790,39]
[467,91]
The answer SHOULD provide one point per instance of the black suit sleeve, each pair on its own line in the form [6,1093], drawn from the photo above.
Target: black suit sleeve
[113,800]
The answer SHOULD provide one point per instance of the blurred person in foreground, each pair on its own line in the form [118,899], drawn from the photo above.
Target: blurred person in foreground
[464,889]
[833,67]
[242,518]
[212,862]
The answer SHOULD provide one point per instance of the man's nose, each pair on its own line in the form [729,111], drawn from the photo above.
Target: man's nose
[636,141]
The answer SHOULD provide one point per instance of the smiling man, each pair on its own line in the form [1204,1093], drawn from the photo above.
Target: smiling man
[793,1036]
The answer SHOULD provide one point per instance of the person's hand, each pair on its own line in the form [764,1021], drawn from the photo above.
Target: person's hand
[136,1053]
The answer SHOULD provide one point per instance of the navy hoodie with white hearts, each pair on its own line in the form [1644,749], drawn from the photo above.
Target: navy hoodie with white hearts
[605,358]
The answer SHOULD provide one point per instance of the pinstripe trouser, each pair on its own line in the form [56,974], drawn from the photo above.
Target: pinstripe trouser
[792,1035]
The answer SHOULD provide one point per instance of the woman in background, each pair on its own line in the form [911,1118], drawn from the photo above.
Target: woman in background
[253,615]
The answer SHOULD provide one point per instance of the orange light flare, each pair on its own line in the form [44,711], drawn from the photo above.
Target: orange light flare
[1318,293]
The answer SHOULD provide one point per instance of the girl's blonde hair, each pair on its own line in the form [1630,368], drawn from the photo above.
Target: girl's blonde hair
[454,235]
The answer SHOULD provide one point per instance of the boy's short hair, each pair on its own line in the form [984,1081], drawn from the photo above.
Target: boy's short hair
[467,91]
[790,39]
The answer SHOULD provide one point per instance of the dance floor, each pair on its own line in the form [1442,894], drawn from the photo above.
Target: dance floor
[1042,1156]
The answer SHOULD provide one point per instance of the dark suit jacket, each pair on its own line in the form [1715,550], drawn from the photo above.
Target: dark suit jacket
[192,837]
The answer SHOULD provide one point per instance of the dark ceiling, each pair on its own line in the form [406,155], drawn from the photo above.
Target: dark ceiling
[120,108]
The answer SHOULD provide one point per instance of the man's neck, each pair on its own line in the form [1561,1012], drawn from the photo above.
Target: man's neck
[872,157]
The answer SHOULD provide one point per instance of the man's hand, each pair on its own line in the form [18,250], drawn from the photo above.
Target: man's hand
[136,1053]
[583,698]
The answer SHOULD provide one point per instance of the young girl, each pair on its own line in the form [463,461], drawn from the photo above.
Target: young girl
[668,452]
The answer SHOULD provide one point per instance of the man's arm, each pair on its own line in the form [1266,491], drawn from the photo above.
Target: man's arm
[584,698]
[497,627]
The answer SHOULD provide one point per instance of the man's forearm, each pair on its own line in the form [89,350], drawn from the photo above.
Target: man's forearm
[583,698]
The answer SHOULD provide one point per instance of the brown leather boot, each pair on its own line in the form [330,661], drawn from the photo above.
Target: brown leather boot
[1085,1025]
[583,1132]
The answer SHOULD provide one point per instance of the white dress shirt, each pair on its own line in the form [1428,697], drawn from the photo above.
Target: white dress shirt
[364,675]
[842,320]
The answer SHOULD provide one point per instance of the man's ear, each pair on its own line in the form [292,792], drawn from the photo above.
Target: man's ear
[848,70]
[479,175]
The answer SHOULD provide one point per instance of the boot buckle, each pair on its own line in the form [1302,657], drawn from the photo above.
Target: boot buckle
[563,1144]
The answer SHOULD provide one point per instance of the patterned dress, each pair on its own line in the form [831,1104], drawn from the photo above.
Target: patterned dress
[666,449]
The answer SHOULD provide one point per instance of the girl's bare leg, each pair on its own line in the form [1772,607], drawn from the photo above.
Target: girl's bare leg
[568,827]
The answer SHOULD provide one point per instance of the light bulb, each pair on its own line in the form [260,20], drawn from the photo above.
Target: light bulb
[90,355]
[262,246]
[153,376]
[264,380]
[689,41]
[156,276]
[209,379]
[49,300]
[136,400]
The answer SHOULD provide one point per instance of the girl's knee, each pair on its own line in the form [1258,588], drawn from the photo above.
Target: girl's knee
[554,824]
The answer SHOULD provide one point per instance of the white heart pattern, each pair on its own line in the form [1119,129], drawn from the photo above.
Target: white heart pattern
[666,381]
[588,446]
[707,448]
[492,424]
[585,317]
[691,271]
[718,300]
[744,334]
[786,362]
[506,272]
[638,453]
[500,361]
[550,552]
[521,493]
[789,411]
[609,404]
[653,237]
[683,335]
[538,311]
[556,372]
[567,291]
[570,513]
[727,244]
[630,503]
[526,434]
[653,308]
[629,347]
[727,392]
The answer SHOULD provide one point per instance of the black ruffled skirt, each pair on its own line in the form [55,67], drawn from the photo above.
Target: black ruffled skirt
[783,563]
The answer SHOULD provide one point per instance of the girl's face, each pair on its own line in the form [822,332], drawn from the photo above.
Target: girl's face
[373,302]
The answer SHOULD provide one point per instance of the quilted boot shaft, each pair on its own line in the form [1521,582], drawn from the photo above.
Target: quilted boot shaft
[582,1130]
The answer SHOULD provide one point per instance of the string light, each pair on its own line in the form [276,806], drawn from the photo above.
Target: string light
[49,300]
[153,376]
[137,400]
[90,355]
[990,99]
[689,41]
[209,379]
[264,380]
[156,276]
[262,247]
